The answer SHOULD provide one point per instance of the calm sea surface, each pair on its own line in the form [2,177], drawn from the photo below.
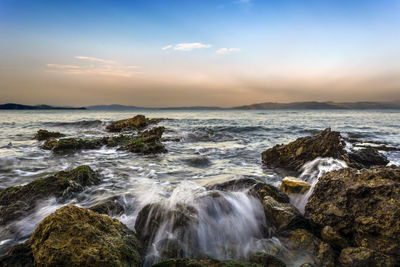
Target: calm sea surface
[214,146]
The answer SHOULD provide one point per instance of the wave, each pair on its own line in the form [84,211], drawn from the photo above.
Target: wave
[80,124]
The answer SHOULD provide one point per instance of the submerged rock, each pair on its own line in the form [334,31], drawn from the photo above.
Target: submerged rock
[44,135]
[294,185]
[360,257]
[136,123]
[17,200]
[74,236]
[65,145]
[362,206]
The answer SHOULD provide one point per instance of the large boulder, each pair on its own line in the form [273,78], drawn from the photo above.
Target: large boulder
[367,157]
[44,135]
[136,123]
[18,200]
[362,206]
[74,236]
[360,257]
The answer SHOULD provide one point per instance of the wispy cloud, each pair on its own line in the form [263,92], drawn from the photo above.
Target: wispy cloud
[97,66]
[186,46]
[224,50]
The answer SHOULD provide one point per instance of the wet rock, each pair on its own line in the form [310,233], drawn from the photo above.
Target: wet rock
[262,190]
[362,206]
[367,157]
[198,162]
[66,145]
[360,257]
[182,262]
[110,207]
[266,260]
[136,123]
[74,236]
[152,216]
[294,185]
[18,200]
[332,237]
[283,216]
[149,142]
[19,256]
[303,240]
[293,155]
[44,135]
[234,185]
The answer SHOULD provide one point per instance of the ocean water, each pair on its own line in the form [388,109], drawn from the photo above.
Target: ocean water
[214,146]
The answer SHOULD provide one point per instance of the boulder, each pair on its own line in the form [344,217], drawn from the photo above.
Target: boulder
[74,236]
[362,206]
[293,155]
[294,185]
[18,200]
[360,257]
[110,207]
[19,256]
[234,185]
[329,235]
[136,123]
[262,190]
[44,135]
[148,142]
[303,240]
[266,260]
[66,145]
[183,262]
[367,157]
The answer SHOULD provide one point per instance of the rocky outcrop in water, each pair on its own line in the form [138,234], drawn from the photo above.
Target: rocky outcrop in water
[363,207]
[136,123]
[74,236]
[148,142]
[18,200]
[294,185]
[328,143]
[66,145]
[44,135]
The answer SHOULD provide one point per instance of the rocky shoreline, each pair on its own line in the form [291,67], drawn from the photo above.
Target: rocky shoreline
[350,219]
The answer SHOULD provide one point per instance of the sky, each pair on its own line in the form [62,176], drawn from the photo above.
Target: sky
[159,53]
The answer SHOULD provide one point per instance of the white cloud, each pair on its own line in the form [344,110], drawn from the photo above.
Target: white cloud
[223,51]
[166,47]
[95,59]
[190,46]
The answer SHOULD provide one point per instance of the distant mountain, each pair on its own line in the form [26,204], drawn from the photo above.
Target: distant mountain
[14,106]
[324,105]
[113,107]
[123,107]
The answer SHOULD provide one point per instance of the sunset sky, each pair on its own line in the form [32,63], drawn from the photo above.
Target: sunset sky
[198,52]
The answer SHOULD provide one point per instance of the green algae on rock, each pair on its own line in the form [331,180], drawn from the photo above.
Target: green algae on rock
[183,262]
[148,142]
[362,206]
[16,201]
[136,123]
[44,135]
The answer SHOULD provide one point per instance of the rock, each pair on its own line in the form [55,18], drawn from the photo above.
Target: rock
[44,135]
[74,236]
[367,157]
[360,257]
[149,142]
[283,216]
[19,256]
[301,239]
[18,200]
[66,145]
[183,262]
[198,162]
[234,185]
[266,260]
[136,123]
[332,237]
[262,190]
[362,206]
[293,155]
[110,207]
[293,185]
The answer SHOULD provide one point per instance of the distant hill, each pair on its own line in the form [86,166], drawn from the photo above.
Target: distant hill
[123,107]
[324,105]
[14,106]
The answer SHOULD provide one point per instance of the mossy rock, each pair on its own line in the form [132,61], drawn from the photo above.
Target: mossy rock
[148,142]
[44,135]
[18,200]
[136,123]
[71,144]
[182,262]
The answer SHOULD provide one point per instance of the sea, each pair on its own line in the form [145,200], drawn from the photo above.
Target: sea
[204,148]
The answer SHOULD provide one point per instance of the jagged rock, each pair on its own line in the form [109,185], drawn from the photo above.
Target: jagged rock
[367,157]
[110,207]
[283,216]
[262,190]
[234,185]
[70,144]
[294,185]
[362,206]
[332,237]
[301,239]
[136,123]
[19,256]
[360,257]
[18,200]
[74,236]
[182,262]
[149,142]
[44,135]
[293,155]
[266,260]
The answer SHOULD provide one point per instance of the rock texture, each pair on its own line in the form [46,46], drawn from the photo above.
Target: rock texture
[148,142]
[362,206]
[44,135]
[18,200]
[294,185]
[182,262]
[361,257]
[136,123]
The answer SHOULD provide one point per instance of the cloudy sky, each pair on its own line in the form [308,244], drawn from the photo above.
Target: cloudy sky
[198,52]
